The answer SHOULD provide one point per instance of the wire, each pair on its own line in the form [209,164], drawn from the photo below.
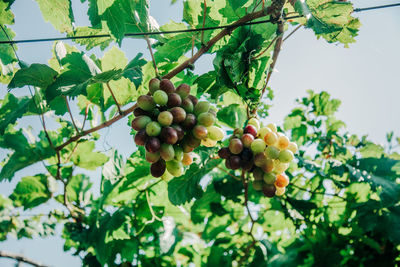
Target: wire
[375,7]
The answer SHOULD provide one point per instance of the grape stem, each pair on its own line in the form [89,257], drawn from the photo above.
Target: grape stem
[70,114]
[152,55]
[115,99]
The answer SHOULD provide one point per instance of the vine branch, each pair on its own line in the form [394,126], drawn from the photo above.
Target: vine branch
[204,20]
[152,55]
[115,99]
[20,258]
[70,114]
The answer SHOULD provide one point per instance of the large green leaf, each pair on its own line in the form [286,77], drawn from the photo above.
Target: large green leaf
[233,115]
[59,13]
[78,190]
[86,158]
[7,54]
[31,191]
[11,109]
[39,75]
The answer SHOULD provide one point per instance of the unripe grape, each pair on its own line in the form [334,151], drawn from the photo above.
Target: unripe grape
[247,139]
[169,135]
[146,102]
[175,168]
[152,145]
[141,138]
[272,152]
[280,167]
[235,146]
[257,146]
[268,166]
[286,156]
[187,105]
[174,100]
[178,153]
[179,131]
[189,122]
[280,191]
[167,152]
[140,122]
[179,114]
[193,99]
[207,142]
[224,153]
[140,112]
[167,176]
[200,132]
[237,133]
[263,131]
[260,159]
[257,185]
[269,178]
[160,97]
[255,123]
[271,139]
[201,107]
[183,90]
[206,119]
[281,180]
[153,128]
[167,86]
[269,190]
[215,133]
[157,169]
[235,162]
[154,85]
[187,159]
[258,174]
[292,147]
[165,118]
[283,142]
[250,129]
[152,157]
[273,127]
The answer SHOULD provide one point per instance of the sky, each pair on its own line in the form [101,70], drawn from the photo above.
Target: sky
[365,77]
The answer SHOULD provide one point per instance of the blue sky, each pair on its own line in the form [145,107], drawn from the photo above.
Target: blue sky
[365,77]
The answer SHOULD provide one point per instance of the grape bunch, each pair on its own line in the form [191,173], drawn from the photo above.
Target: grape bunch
[264,152]
[170,124]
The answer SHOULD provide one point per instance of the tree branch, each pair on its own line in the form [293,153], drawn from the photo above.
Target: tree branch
[18,257]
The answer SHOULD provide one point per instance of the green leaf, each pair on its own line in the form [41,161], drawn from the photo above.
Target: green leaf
[84,156]
[31,191]
[59,14]
[372,150]
[78,190]
[90,43]
[6,16]
[233,116]
[11,109]
[38,75]
[7,54]
[133,71]
[201,208]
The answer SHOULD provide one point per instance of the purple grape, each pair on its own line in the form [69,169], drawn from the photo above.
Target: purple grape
[153,145]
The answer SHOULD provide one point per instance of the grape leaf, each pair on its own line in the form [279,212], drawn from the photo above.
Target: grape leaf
[39,75]
[11,109]
[6,16]
[90,43]
[60,14]
[84,156]
[7,54]
[233,116]
[78,190]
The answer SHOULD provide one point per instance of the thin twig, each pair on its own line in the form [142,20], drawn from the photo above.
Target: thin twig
[152,55]
[151,208]
[70,114]
[204,21]
[19,258]
[290,34]
[228,173]
[115,99]
[266,49]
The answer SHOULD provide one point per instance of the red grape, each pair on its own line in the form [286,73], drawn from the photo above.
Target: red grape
[141,138]
[169,135]
[174,100]
[167,86]
[250,129]
[235,146]
[153,145]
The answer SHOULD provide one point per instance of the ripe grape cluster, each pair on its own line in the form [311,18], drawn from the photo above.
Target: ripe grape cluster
[264,152]
[170,124]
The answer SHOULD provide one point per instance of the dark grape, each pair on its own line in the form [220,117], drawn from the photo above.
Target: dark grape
[200,132]
[201,107]
[257,185]
[183,90]
[228,164]
[189,122]
[140,122]
[174,100]
[246,155]
[154,85]
[167,152]
[206,119]
[157,169]
[169,135]
[167,86]
[179,114]
[269,190]
[165,118]
[247,139]
[153,144]
[224,153]
[152,157]
[268,166]
[187,105]
[260,159]
[140,112]
[247,165]
[141,138]
[180,132]
[192,141]
[193,99]
[250,129]
[235,162]
[258,174]
[146,102]
[235,146]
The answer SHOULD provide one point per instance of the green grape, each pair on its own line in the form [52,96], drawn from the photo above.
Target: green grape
[187,105]
[153,129]
[286,156]
[280,167]
[140,122]
[201,107]
[255,123]
[175,168]
[206,119]
[165,118]
[273,127]
[268,166]
[146,102]
[257,185]
[215,133]
[152,157]
[178,153]
[183,90]
[160,97]
[257,146]
[167,152]
[263,131]
[154,85]
[272,152]
[293,147]
[269,178]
